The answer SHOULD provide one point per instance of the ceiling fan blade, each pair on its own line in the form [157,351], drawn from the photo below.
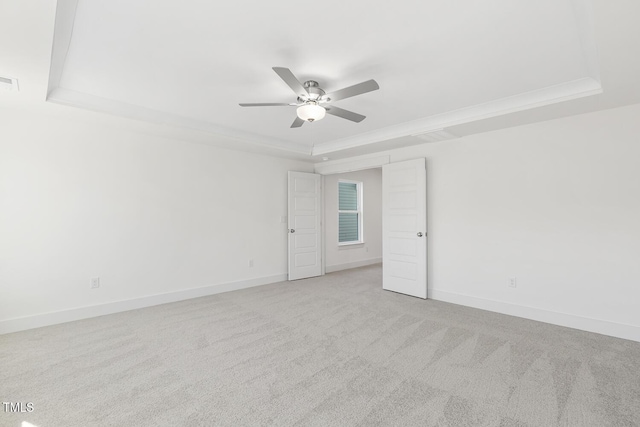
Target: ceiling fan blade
[359,89]
[291,80]
[297,122]
[265,104]
[345,114]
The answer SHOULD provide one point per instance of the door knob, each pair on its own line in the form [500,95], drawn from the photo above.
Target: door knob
[419,233]
[292,230]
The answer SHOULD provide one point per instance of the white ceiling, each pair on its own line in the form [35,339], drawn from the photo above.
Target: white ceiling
[465,66]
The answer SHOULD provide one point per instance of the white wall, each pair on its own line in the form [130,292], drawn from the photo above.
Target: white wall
[554,204]
[369,252]
[147,215]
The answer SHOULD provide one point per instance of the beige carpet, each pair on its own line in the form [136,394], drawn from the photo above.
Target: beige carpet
[330,351]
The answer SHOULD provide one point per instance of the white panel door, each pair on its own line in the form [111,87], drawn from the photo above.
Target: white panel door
[305,237]
[404,227]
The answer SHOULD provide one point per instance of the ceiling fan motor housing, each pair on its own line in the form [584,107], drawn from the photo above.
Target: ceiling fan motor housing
[315,92]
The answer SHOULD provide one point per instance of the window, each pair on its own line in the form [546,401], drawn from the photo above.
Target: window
[349,212]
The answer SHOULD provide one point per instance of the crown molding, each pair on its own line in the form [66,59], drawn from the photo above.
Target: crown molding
[524,101]
[120,109]
[528,100]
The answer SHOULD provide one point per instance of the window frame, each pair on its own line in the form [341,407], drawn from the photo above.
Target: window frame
[359,212]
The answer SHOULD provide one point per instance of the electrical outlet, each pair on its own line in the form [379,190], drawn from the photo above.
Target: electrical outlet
[512,282]
[250,263]
[95,282]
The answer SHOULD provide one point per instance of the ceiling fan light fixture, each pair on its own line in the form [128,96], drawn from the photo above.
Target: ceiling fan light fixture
[309,96]
[311,112]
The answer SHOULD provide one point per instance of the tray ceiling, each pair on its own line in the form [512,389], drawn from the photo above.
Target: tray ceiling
[438,63]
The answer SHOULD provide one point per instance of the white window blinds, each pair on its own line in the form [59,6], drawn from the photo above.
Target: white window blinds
[349,212]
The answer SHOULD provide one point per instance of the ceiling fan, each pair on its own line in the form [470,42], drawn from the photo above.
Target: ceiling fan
[313,102]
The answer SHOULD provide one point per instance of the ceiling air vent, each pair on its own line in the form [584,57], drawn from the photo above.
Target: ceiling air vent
[8,83]
[436,135]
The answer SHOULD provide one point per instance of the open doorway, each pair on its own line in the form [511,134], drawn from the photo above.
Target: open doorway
[393,229]
[353,219]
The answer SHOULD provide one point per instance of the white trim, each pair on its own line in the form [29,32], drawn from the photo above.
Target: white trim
[355,242]
[121,109]
[598,326]
[323,256]
[351,165]
[355,264]
[63,316]
[63,30]
[524,101]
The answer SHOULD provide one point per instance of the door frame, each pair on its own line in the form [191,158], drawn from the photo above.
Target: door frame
[344,166]
[352,165]
[323,244]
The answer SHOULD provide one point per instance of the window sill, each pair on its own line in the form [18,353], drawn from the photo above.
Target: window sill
[350,244]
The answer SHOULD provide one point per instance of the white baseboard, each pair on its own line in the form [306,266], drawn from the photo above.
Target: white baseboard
[604,327]
[54,318]
[355,264]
